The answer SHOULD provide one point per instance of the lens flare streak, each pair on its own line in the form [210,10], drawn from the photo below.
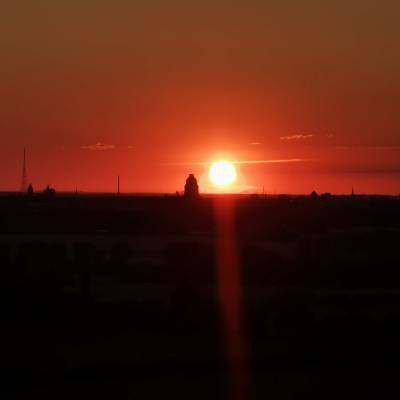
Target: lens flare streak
[230,298]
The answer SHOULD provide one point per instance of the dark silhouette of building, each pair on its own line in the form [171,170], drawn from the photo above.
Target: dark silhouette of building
[30,190]
[191,187]
[49,191]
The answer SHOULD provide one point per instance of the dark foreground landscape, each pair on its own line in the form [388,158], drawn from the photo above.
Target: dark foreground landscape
[130,297]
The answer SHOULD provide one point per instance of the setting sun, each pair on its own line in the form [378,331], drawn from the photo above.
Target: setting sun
[222,173]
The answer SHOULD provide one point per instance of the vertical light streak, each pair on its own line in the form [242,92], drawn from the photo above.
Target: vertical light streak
[230,297]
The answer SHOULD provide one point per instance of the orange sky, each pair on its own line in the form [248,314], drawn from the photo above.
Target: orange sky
[161,85]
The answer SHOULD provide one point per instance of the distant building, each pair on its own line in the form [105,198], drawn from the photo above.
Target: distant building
[191,187]
[49,191]
[30,190]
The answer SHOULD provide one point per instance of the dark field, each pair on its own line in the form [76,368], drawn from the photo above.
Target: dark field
[120,297]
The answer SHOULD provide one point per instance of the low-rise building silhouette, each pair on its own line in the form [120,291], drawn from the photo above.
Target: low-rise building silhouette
[49,191]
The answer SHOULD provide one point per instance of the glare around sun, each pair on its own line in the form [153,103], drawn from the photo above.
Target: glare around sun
[222,173]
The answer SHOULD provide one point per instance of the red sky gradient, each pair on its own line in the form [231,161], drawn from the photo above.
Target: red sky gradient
[164,85]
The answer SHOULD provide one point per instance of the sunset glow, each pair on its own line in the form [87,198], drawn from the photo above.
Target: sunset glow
[204,196]
[222,173]
[143,90]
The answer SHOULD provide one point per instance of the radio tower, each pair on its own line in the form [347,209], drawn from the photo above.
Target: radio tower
[24,179]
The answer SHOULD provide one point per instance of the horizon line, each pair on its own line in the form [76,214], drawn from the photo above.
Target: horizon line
[173,194]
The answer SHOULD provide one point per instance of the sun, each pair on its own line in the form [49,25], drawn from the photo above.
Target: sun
[222,173]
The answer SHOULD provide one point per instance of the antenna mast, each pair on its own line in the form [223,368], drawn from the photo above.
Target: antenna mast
[24,179]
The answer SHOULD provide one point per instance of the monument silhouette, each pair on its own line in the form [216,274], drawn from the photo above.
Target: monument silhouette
[191,187]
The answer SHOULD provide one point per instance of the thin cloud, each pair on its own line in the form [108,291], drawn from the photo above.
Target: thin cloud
[255,143]
[297,137]
[287,160]
[249,162]
[383,147]
[98,147]
[371,171]
[390,148]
